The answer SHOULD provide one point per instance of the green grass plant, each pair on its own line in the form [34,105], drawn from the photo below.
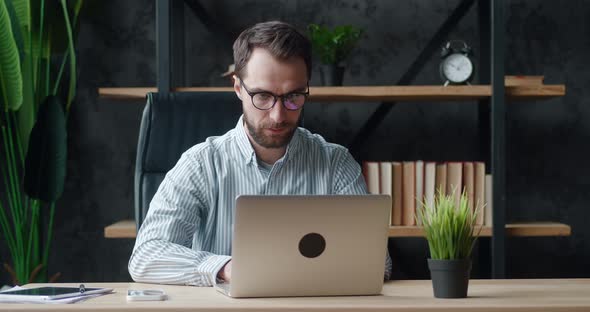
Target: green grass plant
[450,230]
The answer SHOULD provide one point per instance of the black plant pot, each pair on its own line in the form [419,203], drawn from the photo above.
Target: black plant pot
[332,75]
[450,278]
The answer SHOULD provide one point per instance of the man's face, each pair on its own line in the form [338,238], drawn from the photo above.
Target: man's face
[272,128]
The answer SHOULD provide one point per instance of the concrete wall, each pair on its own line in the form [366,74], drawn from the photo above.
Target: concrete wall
[546,140]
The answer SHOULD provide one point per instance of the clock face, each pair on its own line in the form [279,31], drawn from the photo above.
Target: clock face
[457,68]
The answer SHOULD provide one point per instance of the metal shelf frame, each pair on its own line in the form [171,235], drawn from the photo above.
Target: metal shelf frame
[491,112]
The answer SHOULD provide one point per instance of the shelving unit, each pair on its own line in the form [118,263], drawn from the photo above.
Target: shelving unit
[127,229]
[491,94]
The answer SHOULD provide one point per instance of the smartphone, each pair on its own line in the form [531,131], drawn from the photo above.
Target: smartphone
[145,295]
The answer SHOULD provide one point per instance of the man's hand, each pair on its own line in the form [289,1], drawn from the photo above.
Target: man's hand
[225,272]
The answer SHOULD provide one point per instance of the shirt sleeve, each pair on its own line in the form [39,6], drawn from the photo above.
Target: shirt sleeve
[162,252]
[349,180]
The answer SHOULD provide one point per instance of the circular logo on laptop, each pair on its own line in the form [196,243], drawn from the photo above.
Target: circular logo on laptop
[312,245]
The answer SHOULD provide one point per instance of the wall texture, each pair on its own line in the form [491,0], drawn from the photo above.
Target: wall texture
[546,148]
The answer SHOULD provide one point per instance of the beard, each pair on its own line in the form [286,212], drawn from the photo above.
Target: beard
[270,140]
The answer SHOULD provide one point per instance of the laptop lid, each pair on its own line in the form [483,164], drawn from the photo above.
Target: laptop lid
[309,245]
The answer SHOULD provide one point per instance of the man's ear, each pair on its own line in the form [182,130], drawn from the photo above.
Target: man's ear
[237,86]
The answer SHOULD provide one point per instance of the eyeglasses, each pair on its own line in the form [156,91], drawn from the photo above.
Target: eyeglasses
[264,100]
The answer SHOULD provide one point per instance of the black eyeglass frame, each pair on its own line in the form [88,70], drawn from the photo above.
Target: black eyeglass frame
[276,97]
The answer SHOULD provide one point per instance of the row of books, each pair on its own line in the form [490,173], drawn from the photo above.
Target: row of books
[413,183]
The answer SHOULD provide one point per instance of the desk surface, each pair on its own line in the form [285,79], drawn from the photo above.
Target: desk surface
[484,295]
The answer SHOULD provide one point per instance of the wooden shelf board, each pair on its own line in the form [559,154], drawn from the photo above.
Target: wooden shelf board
[513,229]
[121,229]
[378,93]
[126,229]
[140,92]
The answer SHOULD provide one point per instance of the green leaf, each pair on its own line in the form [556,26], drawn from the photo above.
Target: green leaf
[55,18]
[334,46]
[45,165]
[26,113]
[23,12]
[16,28]
[72,56]
[11,83]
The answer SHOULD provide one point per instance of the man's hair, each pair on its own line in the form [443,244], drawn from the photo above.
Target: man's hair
[282,40]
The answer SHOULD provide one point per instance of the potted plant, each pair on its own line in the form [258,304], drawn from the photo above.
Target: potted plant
[34,36]
[451,233]
[333,47]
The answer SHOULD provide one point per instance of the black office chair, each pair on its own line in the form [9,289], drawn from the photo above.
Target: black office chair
[171,124]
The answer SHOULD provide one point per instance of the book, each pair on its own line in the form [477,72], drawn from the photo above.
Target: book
[454,181]
[441,178]
[396,214]
[385,181]
[385,178]
[408,193]
[419,164]
[371,173]
[479,193]
[469,184]
[488,219]
[429,182]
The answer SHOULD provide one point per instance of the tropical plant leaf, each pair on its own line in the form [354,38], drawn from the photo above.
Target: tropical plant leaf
[11,83]
[23,13]
[58,32]
[24,18]
[16,28]
[72,56]
[23,10]
[45,165]
[26,113]
[43,31]
[35,44]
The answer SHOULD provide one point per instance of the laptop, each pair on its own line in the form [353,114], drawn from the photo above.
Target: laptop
[308,245]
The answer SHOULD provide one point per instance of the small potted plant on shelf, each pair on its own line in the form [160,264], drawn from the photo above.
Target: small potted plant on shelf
[333,47]
[451,233]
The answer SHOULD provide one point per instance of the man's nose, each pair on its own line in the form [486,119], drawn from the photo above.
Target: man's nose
[278,113]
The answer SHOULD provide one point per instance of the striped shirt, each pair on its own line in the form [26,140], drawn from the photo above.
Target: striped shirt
[186,235]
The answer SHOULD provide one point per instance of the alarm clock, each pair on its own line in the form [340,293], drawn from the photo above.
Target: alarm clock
[456,67]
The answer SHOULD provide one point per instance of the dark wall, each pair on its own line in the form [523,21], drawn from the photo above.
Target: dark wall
[546,147]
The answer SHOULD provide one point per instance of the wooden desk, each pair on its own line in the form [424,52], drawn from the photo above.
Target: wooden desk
[484,295]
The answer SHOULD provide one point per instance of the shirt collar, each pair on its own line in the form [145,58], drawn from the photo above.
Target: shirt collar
[246,149]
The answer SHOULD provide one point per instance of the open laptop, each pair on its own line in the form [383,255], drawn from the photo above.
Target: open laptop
[308,245]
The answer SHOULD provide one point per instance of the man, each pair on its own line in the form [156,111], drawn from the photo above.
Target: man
[186,235]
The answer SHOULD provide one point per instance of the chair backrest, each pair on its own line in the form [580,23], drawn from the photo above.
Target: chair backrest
[171,124]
